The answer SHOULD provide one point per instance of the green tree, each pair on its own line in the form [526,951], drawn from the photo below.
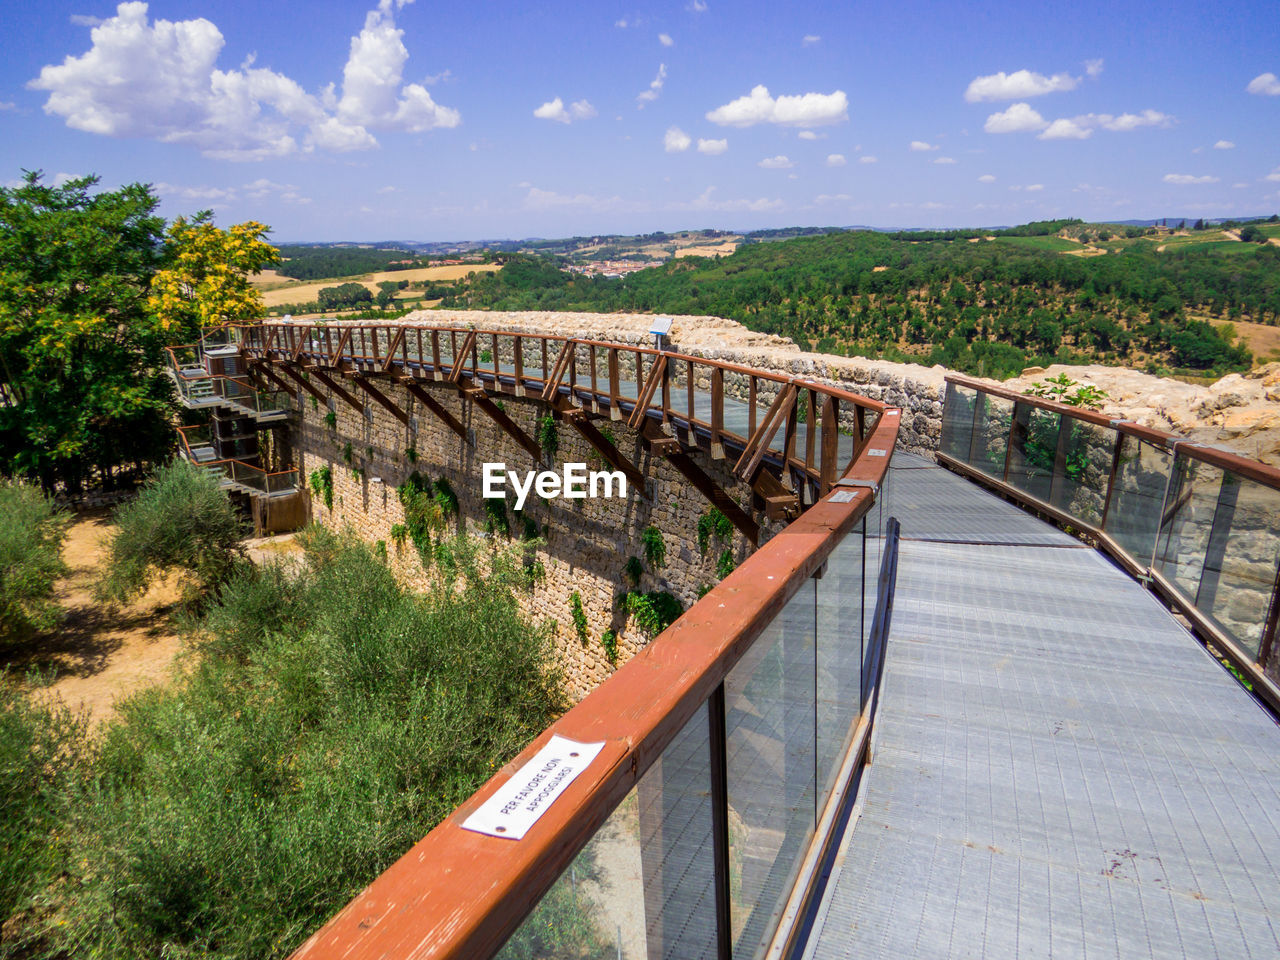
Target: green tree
[81,382]
[205,280]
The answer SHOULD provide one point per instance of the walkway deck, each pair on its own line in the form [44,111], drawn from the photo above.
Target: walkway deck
[1059,769]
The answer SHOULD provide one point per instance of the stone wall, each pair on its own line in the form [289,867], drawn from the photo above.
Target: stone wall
[588,541]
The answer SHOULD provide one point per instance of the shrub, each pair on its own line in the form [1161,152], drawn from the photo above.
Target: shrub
[39,747]
[495,517]
[181,520]
[234,811]
[31,535]
[427,509]
[653,612]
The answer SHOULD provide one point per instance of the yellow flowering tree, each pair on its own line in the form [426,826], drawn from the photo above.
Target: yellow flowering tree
[205,281]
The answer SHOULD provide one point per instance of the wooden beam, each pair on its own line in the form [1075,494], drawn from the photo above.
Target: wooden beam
[302,342]
[552,386]
[645,400]
[434,405]
[499,416]
[779,502]
[333,386]
[460,358]
[615,458]
[382,399]
[302,381]
[395,345]
[758,445]
[267,370]
[335,358]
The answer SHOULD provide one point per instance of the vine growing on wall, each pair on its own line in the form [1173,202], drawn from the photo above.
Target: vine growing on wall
[655,548]
[725,565]
[712,523]
[346,453]
[428,508]
[331,420]
[652,612]
[579,616]
[548,435]
[632,570]
[609,640]
[495,517]
[322,485]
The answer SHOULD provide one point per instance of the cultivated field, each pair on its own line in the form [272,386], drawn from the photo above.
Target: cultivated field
[277,289]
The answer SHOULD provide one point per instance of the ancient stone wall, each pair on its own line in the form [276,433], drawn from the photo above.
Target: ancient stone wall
[588,541]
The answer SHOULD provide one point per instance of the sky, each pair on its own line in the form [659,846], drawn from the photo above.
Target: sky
[416,120]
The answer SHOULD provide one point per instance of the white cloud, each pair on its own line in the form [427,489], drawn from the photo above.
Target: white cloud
[1224,145]
[697,6]
[836,160]
[944,160]
[1019,118]
[665,40]
[655,87]
[805,110]
[809,39]
[986,178]
[1265,84]
[159,80]
[258,190]
[388,189]
[1030,188]
[676,140]
[1185,179]
[867,159]
[556,110]
[712,147]
[810,135]
[1065,129]
[706,202]
[1128,121]
[780,162]
[1273,175]
[832,198]
[7,105]
[539,199]
[1017,85]
[1093,67]
[921,147]
[621,24]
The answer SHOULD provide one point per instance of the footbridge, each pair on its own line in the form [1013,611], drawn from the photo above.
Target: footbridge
[1017,699]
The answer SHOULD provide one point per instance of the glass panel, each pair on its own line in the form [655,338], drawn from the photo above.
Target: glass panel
[1188,522]
[643,888]
[842,615]
[992,435]
[1082,489]
[1133,519]
[1240,565]
[769,720]
[957,421]
[1035,444]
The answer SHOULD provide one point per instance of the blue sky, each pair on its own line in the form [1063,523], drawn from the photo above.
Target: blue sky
[424,120]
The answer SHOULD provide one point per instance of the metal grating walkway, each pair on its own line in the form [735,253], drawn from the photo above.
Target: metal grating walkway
[1059,769]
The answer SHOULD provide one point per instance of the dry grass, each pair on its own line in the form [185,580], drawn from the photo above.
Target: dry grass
[707,250]
[274,293]
[1263,339]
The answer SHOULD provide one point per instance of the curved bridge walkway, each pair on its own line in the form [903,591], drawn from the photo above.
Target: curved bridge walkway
[1059,769]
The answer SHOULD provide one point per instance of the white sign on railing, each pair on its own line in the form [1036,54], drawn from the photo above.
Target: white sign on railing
[518,803]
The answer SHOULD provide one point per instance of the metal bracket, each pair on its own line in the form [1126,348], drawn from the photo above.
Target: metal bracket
[851,482]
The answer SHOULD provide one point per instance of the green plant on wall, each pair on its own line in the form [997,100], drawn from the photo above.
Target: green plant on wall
[531,531]
[652,612]
[655,548]
[486,355]
[495,517]
[368,453]
[712,523]
[399,534]
[411,454]
[609,640]
[346,453]
[427,509]
[315,404]
[331,420]
[725,564]
[633,569]
[322,485]
[357,474]
[579,616]
[548,435]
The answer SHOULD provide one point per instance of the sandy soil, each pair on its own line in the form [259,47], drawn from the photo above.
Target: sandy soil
[298,292]
[100,656]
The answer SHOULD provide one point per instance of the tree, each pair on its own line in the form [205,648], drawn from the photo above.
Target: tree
[205,281]
[344,295]
[31,535]
[82,387]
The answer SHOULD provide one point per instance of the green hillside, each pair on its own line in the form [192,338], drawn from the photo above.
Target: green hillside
[974,300]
